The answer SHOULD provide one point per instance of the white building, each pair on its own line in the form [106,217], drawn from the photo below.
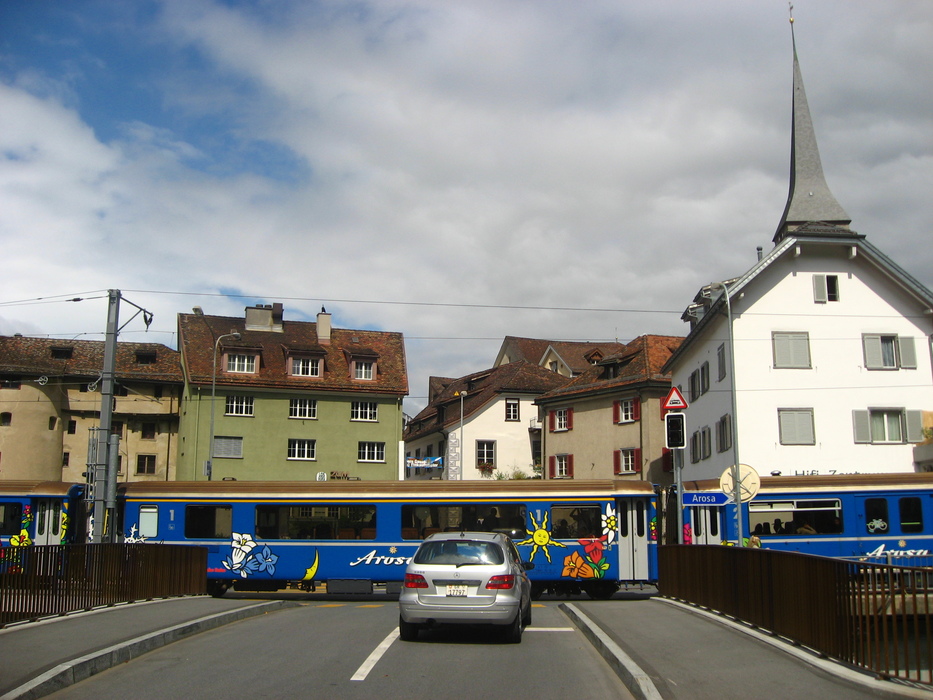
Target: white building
[830,341]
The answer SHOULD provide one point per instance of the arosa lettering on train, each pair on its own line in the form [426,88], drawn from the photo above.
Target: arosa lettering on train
[880,551]
[372,558]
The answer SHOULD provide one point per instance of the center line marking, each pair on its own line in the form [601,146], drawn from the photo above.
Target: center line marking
[367,666]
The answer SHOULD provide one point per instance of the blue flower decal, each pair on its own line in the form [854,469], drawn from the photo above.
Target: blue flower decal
[246,558]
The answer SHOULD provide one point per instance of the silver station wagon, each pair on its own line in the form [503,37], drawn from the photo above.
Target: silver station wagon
[466,578]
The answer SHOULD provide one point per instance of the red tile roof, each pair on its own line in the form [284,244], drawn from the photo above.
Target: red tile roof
[24,356]
[197,334]
[577,354]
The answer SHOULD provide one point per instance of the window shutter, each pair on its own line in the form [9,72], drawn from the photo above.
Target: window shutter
[570,466]
[552,421]
[819,289]
[914,426]
[637,460]
[636,409]
[569,419]
[861,426]
[871,344]
[908,352]
[617,461]
[552,466]
[616,411]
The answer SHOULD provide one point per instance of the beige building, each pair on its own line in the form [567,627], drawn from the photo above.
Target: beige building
[50,402]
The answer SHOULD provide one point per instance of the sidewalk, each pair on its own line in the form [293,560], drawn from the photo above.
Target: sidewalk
[41,657]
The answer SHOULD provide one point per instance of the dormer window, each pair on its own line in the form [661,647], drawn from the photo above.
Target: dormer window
[145,357]
[305,366]
[363,364]
[241,363]
[62,353]
[364,369]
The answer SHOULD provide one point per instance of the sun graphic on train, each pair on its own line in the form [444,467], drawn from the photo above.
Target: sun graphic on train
[540,537]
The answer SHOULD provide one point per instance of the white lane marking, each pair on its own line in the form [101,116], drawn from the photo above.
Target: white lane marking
[373,659]
[549,629]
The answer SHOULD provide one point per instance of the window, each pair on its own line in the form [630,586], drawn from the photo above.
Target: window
[876,516]
[10,518]
[116,428]
[423,519]
[627,460]
[148,521]
[371,452]
[575,521]
[363,369]
[699,381]
[302,449]
[791,350]
[700,447]
[6,418]
[485,453]
[721,361]
[889,351]
[10,383]
[511,410]
[626,410]
[911,512]
[825,288]
[231,447]
[145,358]
[120,390]
[315,522]
[148,431]
[561,419]
[66,459]
[209,522]
[795,426]
[561,466]
[364,410]
[302,408]
[62,353]
[72,427]
[306,367]
[239,406]
[887,425]
[145,464]
[724,433]
[782,518]
[242,364]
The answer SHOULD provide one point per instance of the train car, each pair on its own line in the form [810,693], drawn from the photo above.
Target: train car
[38,512]
[590,536]
[878,517]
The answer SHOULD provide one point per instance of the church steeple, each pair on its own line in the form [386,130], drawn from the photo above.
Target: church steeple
[809,199]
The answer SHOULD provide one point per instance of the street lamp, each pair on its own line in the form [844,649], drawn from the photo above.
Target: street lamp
[736,471]
[210,456]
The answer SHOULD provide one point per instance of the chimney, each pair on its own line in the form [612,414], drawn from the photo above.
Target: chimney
[323,327]
[266,317]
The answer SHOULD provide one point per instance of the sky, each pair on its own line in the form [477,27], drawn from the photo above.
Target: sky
[454,171]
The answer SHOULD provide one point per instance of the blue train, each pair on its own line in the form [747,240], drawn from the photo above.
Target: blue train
[877,517]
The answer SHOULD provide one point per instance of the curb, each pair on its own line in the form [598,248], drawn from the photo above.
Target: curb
[636,680]
[83,667]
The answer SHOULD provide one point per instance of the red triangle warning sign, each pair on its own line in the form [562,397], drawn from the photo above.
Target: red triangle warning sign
[675,400]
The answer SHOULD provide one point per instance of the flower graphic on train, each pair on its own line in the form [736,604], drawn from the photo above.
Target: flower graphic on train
[540,537]
[20,540]
[610,523]
[133,538]
[246,557]
[576,567]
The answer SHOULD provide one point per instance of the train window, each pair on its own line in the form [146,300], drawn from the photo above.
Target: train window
[209,522]
[698,519]
[622,513]
[876,516]
[11,515]
[56,517]
[911,514]
[316,522]
[575,522]
[419,521]
[792,517]
[148,521]
[640,514]
[713,522]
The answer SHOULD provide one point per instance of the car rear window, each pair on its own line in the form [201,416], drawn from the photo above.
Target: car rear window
[459,552]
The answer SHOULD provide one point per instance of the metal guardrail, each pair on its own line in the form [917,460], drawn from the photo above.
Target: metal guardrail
[872,616]
[40,581]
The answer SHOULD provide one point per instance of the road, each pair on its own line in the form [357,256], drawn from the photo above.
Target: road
[351,650]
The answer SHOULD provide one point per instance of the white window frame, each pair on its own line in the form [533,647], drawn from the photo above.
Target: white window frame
[302,449]
[238,405]
[512,409]
[627,410]
[561,466]
[241,363]
[485,452]
[371,452]
[305,366]
[888,351]
[364,370]
[627,460]
[366,411]
[561,419]
[303,409]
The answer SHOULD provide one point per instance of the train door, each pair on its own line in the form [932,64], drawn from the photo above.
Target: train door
[48,519]
[705,525]
[632,514]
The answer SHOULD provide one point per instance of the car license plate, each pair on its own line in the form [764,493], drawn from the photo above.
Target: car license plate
[457,590]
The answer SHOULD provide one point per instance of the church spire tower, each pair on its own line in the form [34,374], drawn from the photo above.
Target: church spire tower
[809,199]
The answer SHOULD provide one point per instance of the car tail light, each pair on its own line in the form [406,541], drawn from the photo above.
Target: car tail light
[415,581]
[500,582]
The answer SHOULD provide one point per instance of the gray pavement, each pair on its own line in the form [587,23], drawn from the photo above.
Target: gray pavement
[659,648]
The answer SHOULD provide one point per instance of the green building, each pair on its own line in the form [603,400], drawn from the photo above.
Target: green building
[293,400]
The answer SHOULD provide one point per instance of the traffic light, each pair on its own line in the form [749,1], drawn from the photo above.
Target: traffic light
[675,432]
